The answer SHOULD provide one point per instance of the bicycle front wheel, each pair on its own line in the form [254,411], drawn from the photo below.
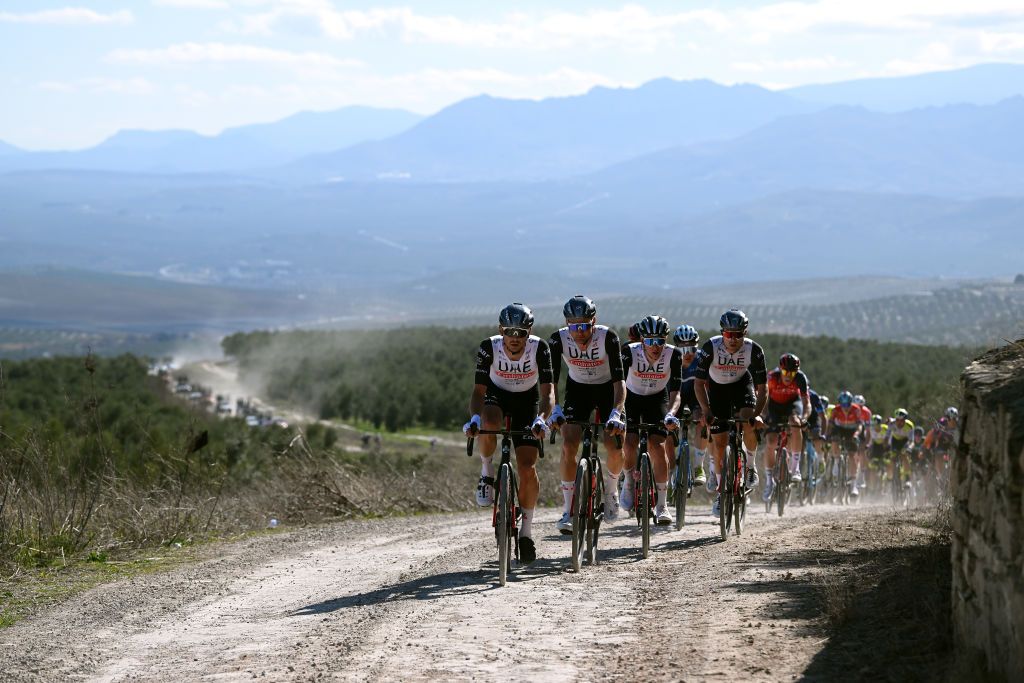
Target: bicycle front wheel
[503,522]
[596,504]
[727,485]
[580,513]
[782,483]
[643,508]
[681,488]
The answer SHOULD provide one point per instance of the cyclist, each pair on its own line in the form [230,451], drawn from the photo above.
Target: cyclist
[653,378]
[953,417]
[815,426]
[878,438]
[865,438]
[731,378]
[686,338]
[788,403]
[938,443]
[593,357]
[901,430]
[513,374]
[845,426]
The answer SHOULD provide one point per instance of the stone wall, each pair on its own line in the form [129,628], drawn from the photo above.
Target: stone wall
[988,512]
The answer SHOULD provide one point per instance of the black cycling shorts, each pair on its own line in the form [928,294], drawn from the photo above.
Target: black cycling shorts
[646,409]
[583,399]
[844,436]
[879,450]
[898,444]
[520,406]
[776,415]
[727,399]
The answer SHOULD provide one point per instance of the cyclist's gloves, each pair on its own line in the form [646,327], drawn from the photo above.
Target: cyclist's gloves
[616,420]
[539,423]
[557,416]
[471,427]
[671,421]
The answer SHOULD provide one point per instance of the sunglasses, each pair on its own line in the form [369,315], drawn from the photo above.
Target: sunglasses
[733,335]
[789,373]
[580,327]
[688,349]
[654,341]
[515,332]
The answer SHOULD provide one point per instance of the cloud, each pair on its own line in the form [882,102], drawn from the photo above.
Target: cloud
[126,86]
[221,53]
[630,26]
[68,15]
[804,64]
[193,4]
[1001,43]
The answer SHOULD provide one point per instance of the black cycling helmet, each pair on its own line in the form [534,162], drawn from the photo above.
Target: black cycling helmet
[516,315]
[734,320]
[653,326]
[789,362]
[634,332]
[686,335]
[579,307]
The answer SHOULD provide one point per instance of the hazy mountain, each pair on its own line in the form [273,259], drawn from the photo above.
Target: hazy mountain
[957,151]
[6,149]
[981,84]
[235,149]
[487,138]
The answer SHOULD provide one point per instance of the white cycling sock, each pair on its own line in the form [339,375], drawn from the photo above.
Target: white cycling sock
[526,527]
[611,481]
[662,494]
[628,482]
[567,488]
[698,457]
[794,462]
[487,466]
[767,472]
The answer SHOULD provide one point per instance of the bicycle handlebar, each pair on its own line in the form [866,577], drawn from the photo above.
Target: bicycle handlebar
[510,432]
[583,423]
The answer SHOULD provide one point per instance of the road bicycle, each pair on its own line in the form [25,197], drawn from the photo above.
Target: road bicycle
[506,512]
[682,476]
[733,501]
[809,467]
[780,473]
[645,492]
[587,507]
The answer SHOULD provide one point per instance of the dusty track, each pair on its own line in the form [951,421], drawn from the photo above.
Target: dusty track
[415,599]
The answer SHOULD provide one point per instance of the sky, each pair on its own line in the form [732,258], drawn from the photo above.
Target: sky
[74,73]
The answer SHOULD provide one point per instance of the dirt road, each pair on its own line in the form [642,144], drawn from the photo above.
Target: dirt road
[416,599]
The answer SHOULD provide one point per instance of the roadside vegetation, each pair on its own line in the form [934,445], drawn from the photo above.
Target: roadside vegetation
[99,460]
[422,376]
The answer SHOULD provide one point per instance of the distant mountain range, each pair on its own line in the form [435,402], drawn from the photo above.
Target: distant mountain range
[665,187]
[236,149]
[981,84]
[485,138]
[959,151]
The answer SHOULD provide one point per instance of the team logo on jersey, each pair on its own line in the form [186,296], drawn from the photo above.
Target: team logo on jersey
[646,370]
[584,358]
[521,369]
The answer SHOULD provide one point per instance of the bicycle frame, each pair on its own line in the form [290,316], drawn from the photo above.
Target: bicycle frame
[505,510]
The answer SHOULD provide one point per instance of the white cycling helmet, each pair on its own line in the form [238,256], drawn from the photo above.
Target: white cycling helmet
[952,413]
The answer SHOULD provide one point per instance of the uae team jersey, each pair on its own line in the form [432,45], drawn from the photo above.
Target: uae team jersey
[715,363]
[597,363]
[645,378]
[495,367]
